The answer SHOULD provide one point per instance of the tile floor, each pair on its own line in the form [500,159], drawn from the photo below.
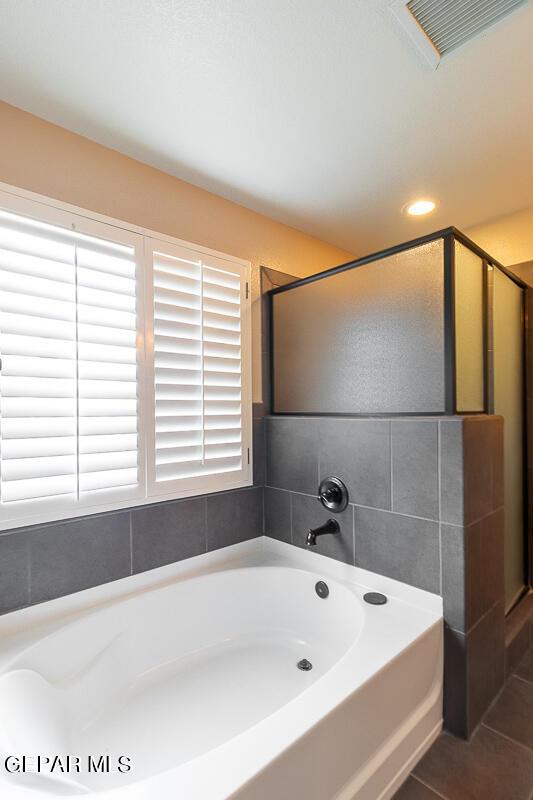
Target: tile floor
[497,762]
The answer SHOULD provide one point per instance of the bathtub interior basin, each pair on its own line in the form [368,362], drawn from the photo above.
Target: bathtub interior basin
[172,668]
[168,675]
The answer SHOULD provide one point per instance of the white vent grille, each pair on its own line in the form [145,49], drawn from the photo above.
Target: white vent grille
[440,26]
[198,367]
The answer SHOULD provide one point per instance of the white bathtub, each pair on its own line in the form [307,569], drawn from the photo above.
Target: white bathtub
[190,671]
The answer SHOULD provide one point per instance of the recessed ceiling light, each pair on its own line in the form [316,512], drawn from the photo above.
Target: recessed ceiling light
[420,207]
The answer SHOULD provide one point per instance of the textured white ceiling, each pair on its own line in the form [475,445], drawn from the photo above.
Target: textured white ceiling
[318,113]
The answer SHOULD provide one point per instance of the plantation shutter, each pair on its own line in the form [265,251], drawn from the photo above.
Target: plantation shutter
[107,366]
[38,350]
[68,343]
[200,381]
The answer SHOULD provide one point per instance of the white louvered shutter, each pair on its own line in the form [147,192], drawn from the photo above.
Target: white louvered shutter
[199,314]
[69,418]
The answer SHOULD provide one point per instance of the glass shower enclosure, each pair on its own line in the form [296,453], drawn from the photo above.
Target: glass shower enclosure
[431,327]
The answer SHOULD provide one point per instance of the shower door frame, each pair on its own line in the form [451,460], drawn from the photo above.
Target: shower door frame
[449,236]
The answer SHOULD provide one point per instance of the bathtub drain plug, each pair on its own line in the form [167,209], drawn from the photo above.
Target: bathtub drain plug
[304,665]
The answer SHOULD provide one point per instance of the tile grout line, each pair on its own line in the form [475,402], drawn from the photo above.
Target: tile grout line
[480,519]
[428,786]
[263,501]
[205,526]
[290,517]
[361,505]
[507,738]
[317,450]
[131,543]
[353,535]
[520,678]
[30,559]
[391,470]
[466,633]
[439,488]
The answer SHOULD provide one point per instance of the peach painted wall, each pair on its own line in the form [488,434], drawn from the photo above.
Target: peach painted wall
[44,158]
[509,239]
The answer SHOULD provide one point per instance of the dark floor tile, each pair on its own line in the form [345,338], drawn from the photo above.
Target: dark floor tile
[525,667]
[488,767]
[512,713]
[412,789]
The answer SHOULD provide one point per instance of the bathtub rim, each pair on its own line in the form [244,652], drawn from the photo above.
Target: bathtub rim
[261,551]
[37,622]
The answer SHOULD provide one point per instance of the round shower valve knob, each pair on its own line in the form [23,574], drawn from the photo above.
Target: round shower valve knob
[333,494]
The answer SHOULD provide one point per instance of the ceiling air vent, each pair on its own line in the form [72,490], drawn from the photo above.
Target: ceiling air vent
[439,26]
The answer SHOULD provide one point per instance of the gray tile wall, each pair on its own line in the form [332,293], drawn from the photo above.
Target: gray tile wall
[426,508]
[48,561]
[392,472]
[43,562]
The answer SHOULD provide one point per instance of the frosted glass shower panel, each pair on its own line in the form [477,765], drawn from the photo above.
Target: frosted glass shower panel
[366,340]
[508,401]
[469,329]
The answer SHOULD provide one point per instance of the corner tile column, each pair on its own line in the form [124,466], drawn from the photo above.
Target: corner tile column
[472,567]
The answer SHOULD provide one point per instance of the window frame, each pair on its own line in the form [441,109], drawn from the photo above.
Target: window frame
[57,212]
[203,484]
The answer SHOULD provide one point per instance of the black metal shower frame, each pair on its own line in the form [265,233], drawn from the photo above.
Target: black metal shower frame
[449,237]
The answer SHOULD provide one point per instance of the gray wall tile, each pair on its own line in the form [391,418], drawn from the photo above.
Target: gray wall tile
[14,571]
[486,665]
[415,468]
[455,682]
[278,514]
[358,452]
[70,556]
[404,548]
[485,560]
[308,512]
[292,454]
[483,466]
[472,570]
[451,471]
[453,554]
[259,452]
[168,532]
[258,411]
[234,517]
